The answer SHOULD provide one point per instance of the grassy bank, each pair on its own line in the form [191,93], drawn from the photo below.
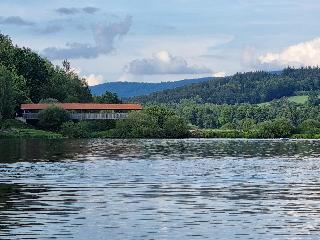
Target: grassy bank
[279,128]
[10,129]
[29,133]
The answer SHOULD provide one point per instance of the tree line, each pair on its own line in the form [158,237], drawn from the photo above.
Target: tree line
[280,118]
[216,116]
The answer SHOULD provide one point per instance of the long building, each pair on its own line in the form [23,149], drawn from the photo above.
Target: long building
[83,111]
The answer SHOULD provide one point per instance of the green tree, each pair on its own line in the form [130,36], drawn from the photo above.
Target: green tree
[108,97]
[12,92]
[229,126]
[42,78]
[159,113]
[246,124]
[175,127]
[66,65]
[49,100]
[52,118]
[313,99]
[137,125]
[309,126]
[153,122]
[274,129]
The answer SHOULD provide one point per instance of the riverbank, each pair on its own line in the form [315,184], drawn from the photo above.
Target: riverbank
[40,134]
[252,134]
[10,129]
[28,133]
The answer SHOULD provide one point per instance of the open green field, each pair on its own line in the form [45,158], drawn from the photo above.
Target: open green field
[296,99]
[299,99]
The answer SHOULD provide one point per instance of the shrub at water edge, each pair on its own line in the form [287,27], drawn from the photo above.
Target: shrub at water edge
[52,118]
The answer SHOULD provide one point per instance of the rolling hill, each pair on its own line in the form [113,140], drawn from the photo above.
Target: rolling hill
[132,89]
[250,87]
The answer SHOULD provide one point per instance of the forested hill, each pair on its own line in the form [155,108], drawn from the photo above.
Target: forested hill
[132,89]
[251,87]
[27,77]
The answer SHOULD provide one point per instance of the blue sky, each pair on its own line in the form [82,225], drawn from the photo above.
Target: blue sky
[146,40]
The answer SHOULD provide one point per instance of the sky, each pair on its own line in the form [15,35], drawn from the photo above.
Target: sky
[167,40]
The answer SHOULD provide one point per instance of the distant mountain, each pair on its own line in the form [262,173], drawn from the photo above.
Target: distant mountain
[132,89]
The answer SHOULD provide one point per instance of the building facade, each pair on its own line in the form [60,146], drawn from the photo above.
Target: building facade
[83,111]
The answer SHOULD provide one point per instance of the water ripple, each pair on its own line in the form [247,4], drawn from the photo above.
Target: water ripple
[159,189]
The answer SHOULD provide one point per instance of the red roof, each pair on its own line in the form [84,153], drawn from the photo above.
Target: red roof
[82,106]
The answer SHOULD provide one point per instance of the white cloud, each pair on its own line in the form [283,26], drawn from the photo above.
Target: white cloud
[302,54]
[164,63]
[219,74]
[93,79]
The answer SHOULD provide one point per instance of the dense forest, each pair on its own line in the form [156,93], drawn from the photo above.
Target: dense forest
[251,87]
[27,77]
[216,116]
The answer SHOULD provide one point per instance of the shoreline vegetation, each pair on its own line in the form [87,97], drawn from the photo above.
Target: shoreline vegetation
[154,123]
[259,104]
[31,133]
[15,129]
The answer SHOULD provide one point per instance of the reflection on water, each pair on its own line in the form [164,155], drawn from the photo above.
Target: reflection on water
[159,189]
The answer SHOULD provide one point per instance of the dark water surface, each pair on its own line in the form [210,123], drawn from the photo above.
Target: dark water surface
[159,189]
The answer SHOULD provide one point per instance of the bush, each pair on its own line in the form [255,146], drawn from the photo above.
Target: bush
[13,124]
[52,118]
[229,126]
[154,122]
[175,127]
[101,125]
[274,129]
[246,124]
[159,113]
[137,125]
[76,130]
[309,126]
[306,136]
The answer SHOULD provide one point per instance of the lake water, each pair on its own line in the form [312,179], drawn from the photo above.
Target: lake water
[159,189]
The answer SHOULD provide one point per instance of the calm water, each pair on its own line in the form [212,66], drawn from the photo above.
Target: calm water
[159,189]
